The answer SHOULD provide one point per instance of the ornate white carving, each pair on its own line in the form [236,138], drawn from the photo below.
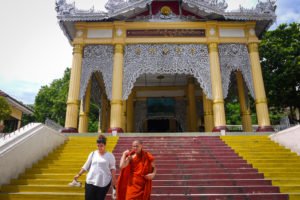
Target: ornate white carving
[208,6]
[97,58]
[235,57]
[121,6]
[189,59]
[264,13]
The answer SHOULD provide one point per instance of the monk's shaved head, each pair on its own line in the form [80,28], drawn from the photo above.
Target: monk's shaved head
[137,146]
[138,141]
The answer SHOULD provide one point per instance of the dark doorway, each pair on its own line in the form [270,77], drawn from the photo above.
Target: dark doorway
[158,125]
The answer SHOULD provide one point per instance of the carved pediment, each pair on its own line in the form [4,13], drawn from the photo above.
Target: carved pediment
[152,10]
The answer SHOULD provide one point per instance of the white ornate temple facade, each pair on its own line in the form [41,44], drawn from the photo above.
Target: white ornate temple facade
[164,65]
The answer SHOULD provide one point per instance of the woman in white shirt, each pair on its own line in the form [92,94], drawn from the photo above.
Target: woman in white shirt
[101,167]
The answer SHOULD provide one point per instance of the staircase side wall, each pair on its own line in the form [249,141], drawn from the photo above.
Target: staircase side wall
[26,151]
[289,138]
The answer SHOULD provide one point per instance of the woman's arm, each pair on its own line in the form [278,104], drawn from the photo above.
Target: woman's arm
[79,174]
[113,180]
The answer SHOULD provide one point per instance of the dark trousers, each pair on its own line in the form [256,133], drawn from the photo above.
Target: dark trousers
[95,193]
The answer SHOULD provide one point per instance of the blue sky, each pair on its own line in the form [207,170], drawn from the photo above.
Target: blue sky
[34,51]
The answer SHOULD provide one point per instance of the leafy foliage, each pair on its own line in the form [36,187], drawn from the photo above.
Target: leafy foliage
[280,59]
[5,110]
[93,118]
[50,101]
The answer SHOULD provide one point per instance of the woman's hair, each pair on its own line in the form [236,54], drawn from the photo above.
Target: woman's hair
[101,139]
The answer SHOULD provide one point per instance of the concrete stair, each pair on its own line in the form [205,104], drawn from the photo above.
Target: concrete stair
[278,164]
[49,178]
[189,168]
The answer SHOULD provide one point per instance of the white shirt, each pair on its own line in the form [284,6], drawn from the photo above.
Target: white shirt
[99,167]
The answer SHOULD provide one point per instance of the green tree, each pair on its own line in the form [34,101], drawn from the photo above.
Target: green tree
[50,101]
[280,59]
[5,110]
[26,119]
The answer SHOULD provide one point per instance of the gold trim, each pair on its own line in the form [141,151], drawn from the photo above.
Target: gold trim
[119,48]
[77,48]
[213,47]
[74,102]
[118,102]
[259,101]
[84,114]
[218,101]
[246,113]
[253,47]
[206,113]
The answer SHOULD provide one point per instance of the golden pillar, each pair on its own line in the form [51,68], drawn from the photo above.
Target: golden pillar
[192,105]
[188,117]
[217,91]
[104,113]
[259,90]
[85,110]
[129,113]
[108,116]
[124,117]
[73,95]
[116,101]
[244,105]
[208,114]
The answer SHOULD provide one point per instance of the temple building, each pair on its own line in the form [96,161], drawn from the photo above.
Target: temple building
[164,65]
[18,110]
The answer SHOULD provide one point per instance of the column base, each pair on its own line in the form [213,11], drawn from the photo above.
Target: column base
[265,129]
[219,128]
[116,129]
[69,130]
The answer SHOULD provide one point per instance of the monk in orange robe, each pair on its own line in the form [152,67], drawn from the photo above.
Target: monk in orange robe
[137,171]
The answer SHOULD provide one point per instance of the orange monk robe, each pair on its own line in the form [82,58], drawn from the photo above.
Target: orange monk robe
[132,185]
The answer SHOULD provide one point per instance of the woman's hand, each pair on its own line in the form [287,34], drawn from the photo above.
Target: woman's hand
[76,177]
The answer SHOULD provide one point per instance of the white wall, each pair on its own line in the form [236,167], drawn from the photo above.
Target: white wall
[21,153]
[289,138]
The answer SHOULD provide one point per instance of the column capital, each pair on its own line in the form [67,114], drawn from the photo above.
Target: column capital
[77,48]
[74,102]
[119,48]
[218,101]
[245,113]
[253,47]
[84,114]
[262,100]
[213,47]
[208,113]
[119,102]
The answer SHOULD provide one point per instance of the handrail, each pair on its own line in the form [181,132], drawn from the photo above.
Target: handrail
[52,124]
[6,136]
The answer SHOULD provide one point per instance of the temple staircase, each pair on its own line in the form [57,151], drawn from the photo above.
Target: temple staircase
[189,168]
